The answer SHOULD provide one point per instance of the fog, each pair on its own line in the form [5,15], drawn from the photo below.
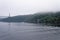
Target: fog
[24,7]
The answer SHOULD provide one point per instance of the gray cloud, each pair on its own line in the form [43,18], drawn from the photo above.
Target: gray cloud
[23,7]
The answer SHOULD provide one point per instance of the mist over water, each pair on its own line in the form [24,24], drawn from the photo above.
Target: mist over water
[25,19]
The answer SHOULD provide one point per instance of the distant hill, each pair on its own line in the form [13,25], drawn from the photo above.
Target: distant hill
[46,18]
[2,17]
[20,18]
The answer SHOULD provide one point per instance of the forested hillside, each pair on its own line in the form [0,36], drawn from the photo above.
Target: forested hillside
[47,18]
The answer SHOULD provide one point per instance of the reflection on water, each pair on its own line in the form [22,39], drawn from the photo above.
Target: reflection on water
[28,31]
[9,26]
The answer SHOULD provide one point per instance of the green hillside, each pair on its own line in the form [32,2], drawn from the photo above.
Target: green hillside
[46,18]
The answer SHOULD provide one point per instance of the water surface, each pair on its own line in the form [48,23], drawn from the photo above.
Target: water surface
[28,31]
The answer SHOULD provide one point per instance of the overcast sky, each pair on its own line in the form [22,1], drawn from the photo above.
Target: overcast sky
[23,7]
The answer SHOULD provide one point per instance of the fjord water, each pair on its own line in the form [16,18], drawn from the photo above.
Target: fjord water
[28,31]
